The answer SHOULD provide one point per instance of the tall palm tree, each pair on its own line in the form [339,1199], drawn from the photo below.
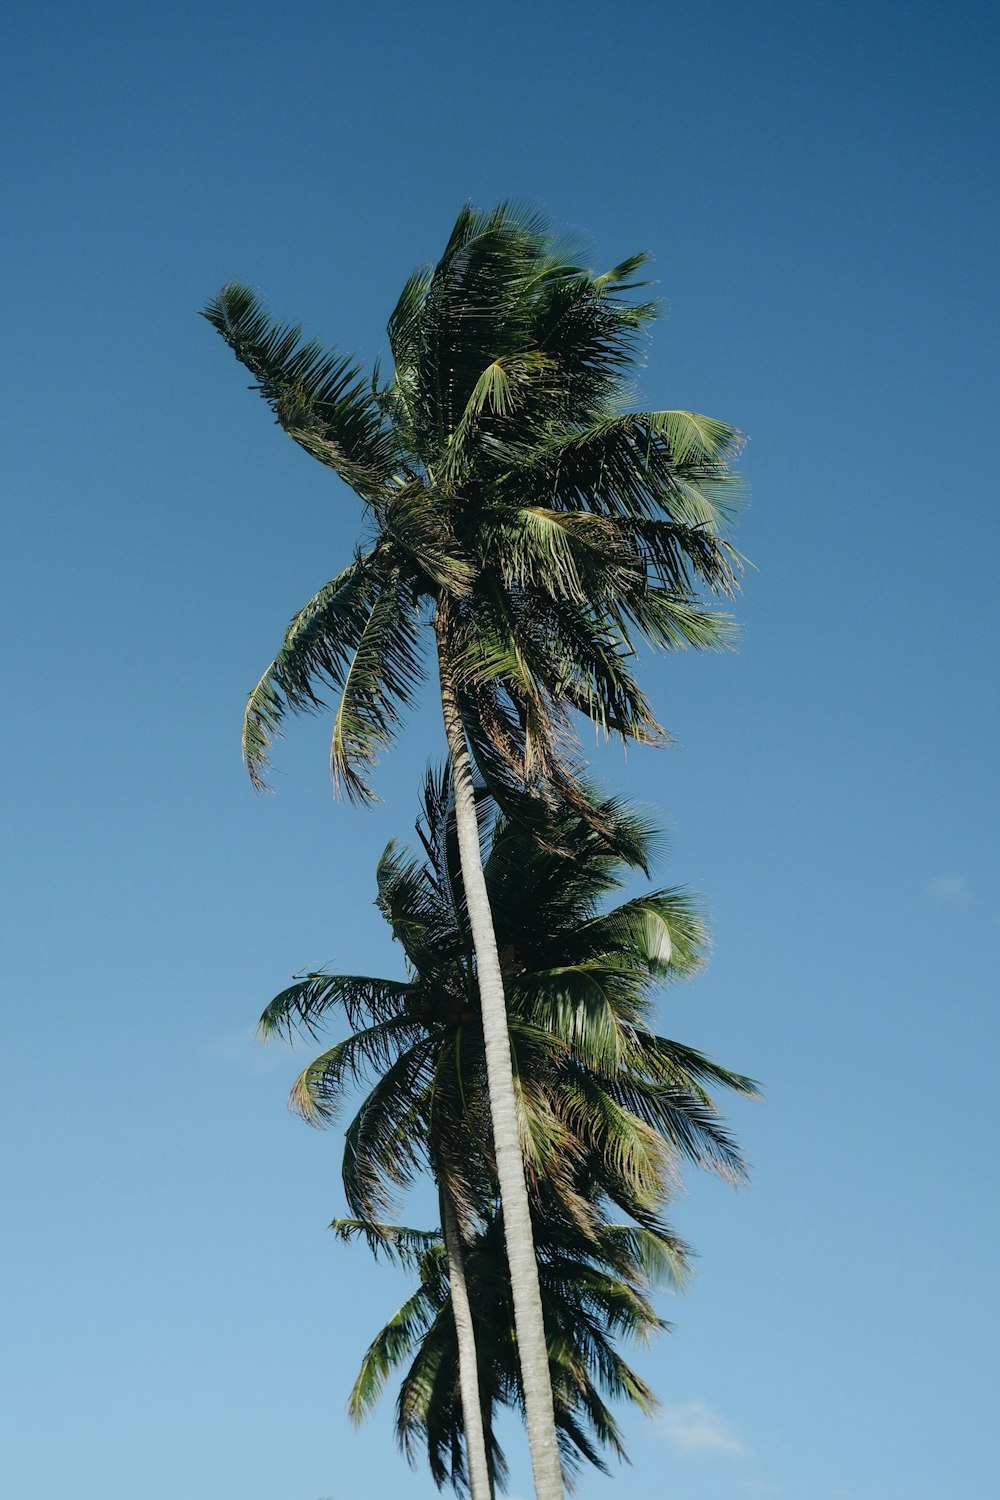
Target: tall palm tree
[595,1290]
[608,1107]
[538,525]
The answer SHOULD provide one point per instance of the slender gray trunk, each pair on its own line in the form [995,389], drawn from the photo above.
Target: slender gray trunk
[528,1320]
[468,1364]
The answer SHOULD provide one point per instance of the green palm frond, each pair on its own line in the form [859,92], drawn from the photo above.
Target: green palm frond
[391,1346]
[582,662]
[385,1143]
[686,1120]
[662,1258]
[631,1150]
[397,1044]
[314,656]
[627,466]
[619,278]
[469,314]
[423,532]
[378,681]
[673,621]
[405,1247]
[500,394]
[573,1004]
[426,925]
[323,400]
[583,322]
[674,1061]
[664,930]
[571,555]
[305,1005]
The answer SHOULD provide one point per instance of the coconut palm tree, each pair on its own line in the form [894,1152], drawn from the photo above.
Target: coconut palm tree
[595,1290]
[539,526]
[608,1106]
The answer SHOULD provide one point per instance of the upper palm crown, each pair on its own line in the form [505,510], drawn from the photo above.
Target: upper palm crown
[512,496]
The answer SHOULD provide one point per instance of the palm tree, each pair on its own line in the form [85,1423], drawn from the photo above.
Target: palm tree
[608,1106]
[538,525]
[594,1289]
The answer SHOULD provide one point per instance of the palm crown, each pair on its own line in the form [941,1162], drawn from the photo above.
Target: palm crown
[595,1292]
[512,496]
[607,1106]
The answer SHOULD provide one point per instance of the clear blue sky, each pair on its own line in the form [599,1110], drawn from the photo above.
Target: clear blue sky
[818,186]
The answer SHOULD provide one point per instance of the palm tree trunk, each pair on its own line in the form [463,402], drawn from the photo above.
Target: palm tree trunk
[528,1320]
[468,1364]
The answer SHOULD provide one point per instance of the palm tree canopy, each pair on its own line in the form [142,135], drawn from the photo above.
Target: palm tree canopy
[595,1292]
[608,1107]
[511,492]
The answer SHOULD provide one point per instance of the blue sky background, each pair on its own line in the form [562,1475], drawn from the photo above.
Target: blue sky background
[818,184]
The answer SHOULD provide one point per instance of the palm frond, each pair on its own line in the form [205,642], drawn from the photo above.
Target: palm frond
[395,1045]
[569,554]
[664,930]
[573,1004]
[304,1005]
[427,926]
[378,681]
[664,465]
[314,656]
[385,1143]
[662,1258]
[322,399]
[387,1351]
[402,1246]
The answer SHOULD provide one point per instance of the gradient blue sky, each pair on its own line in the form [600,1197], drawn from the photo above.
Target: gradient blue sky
[818,185]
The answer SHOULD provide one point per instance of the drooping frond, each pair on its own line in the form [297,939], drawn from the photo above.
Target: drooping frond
[394,1046]
[574,1005]
[423,533]
[385,1143]
[387,1351]
[662,1257]
[314,656]
[378,681]
[571,555]
[594,1291]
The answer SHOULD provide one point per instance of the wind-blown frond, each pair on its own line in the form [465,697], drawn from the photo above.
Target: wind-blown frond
[387,1351]
[385,1143]
[323,400]
[639,466]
